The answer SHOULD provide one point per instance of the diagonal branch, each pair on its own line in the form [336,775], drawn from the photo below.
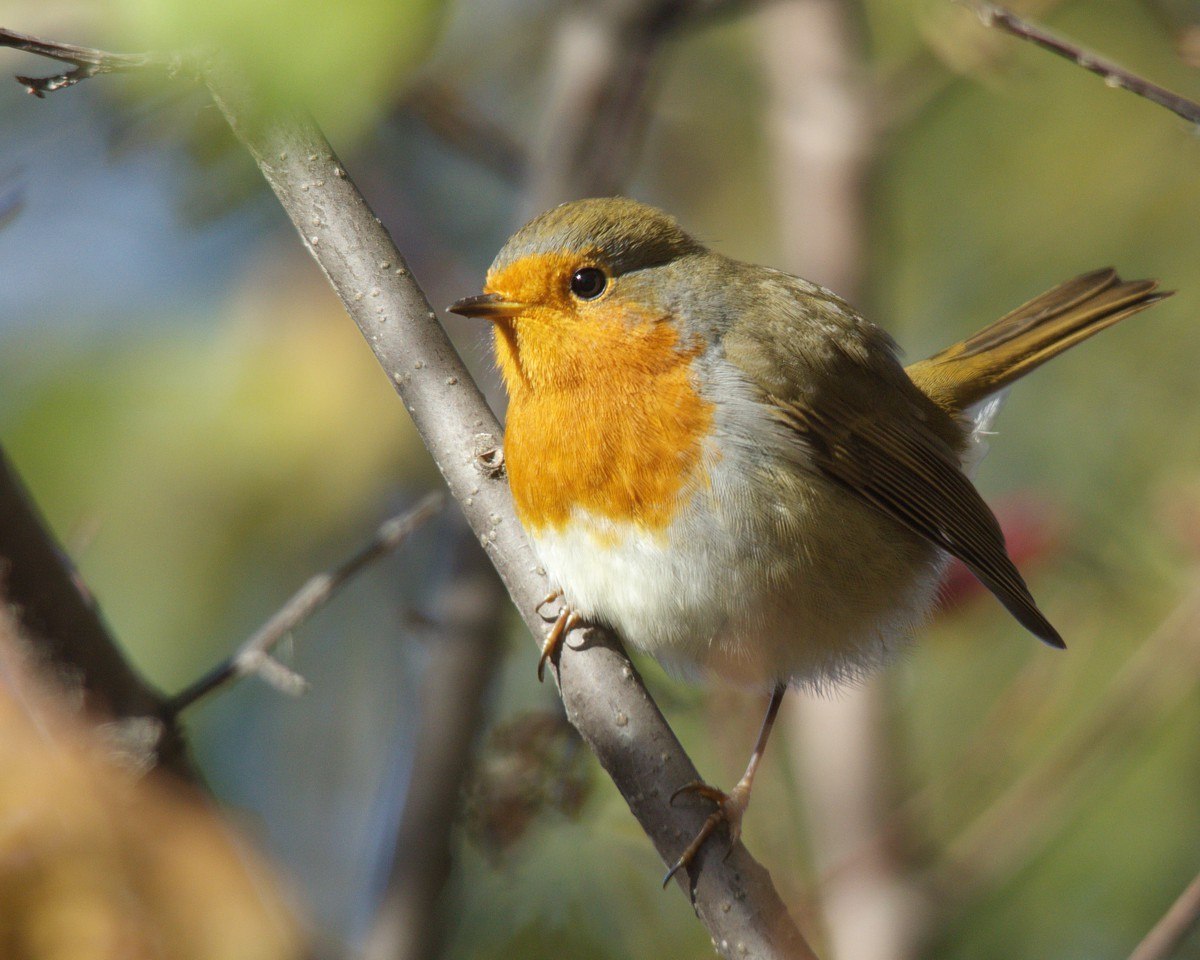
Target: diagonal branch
[59,618]
[254,656]
[1180,919]
[1113,74]
[602,692]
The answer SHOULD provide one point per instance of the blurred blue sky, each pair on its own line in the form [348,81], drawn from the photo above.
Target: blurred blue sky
[100,239]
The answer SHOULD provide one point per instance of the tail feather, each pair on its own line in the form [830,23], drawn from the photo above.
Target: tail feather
[971,370]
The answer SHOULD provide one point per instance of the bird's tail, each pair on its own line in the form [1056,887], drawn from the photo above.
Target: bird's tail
[971,370]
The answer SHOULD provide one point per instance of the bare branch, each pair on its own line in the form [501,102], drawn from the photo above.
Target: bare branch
[1113,74]
[87,62]
[60,619]
[1180,920]
[254,656]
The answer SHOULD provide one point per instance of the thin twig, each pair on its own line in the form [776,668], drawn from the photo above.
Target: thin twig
[254,656]
[1180,920]
[87,61]
[1112,74]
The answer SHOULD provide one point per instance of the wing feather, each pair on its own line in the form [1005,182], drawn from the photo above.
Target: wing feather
[909,475]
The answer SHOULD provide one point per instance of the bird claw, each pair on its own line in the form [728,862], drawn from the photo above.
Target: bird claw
[564,624]
[545,601]
[730,809]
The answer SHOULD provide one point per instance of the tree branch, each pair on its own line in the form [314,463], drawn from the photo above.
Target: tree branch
[602,692]
[603,695]
[1176,923]
[87,62]
[254,656]
[59,618]
[1113,74]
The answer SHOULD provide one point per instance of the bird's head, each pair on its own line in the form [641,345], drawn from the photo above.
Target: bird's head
[584,288]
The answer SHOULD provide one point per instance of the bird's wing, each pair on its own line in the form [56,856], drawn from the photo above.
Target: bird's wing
[910,475]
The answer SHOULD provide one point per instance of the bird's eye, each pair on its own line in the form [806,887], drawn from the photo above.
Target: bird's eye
[587,283]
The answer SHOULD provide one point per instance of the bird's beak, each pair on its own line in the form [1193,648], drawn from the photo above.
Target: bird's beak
[492,306]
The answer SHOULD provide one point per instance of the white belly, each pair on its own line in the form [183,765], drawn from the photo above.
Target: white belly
[760,580]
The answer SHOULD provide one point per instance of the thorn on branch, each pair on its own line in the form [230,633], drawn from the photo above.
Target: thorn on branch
[282,678]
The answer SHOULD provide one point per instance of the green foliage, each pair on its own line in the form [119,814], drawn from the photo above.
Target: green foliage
[344,61]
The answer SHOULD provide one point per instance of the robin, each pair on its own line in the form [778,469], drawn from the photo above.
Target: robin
[731,468]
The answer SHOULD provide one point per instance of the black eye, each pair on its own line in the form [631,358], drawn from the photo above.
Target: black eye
[588,283]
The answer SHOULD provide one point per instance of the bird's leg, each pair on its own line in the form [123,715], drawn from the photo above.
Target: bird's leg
[732,805]
[564,624]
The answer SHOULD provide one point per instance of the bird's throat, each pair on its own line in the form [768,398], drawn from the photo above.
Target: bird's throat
[620,439]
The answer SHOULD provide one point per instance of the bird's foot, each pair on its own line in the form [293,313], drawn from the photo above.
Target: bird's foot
[545,602]
[563,624]
[731,807]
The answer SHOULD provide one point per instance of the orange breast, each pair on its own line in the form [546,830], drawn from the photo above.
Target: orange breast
[620,438]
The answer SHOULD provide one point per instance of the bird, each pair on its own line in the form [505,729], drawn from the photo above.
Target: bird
[732,469]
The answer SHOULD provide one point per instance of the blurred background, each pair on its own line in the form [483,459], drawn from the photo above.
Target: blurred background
[204,428]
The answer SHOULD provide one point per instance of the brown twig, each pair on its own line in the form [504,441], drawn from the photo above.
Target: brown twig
[87,61]
[1112,74]
[1180,919]
[602,692]
[254,656]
